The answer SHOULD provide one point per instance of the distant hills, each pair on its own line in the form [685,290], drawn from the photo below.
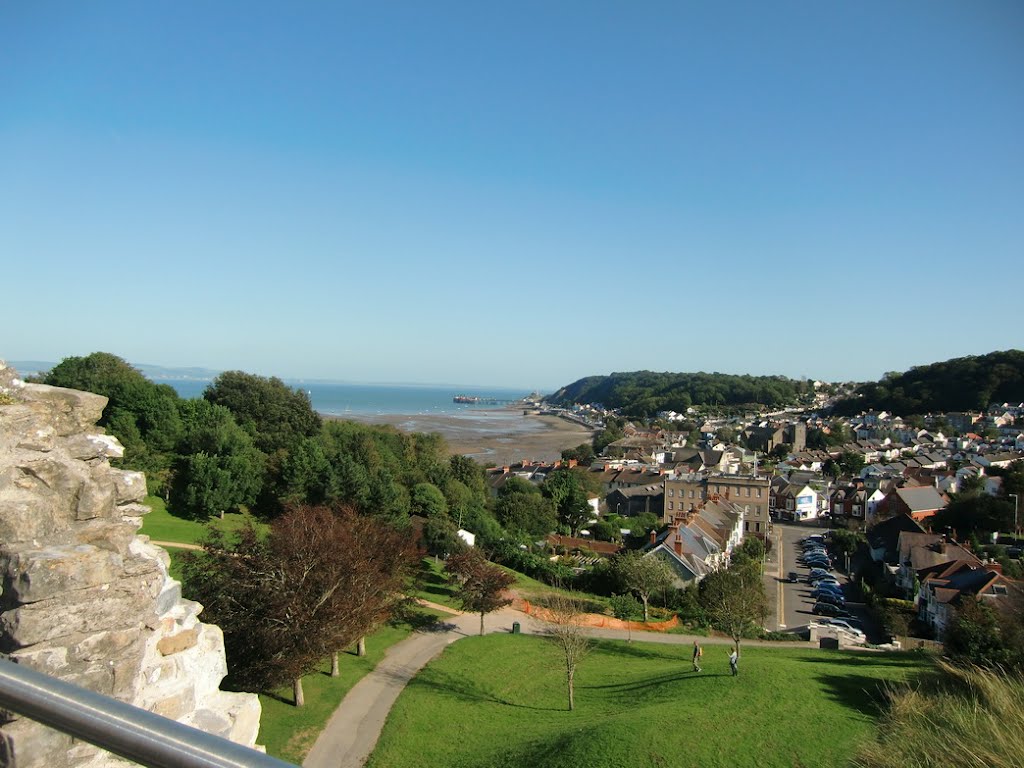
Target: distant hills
[642,394]
[962,384]
[153,372]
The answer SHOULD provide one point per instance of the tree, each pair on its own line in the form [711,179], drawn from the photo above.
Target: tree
[141,414]
[428,501]
[983,635]
[521,509]
[975,514]
[734,601]
[564,488]
[624,608]
[218,467]
[319,581]
[274,414]
[480,585]
[643,575]
[567,633]
[851,462]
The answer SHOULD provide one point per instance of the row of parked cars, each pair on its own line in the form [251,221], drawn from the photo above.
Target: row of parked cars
[827,592]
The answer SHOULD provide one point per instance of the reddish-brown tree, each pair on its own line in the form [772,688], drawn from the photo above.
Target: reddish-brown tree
[320,581]
[480,585]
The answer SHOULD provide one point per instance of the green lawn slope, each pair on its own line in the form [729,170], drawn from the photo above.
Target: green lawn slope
[500,701]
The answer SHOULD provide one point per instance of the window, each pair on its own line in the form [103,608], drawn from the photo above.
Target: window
[670,505]
[759,493]
[671,493]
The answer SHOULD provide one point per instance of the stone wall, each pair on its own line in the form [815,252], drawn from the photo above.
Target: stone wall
[84,597]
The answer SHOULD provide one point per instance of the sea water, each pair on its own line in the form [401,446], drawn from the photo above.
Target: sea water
[378,399]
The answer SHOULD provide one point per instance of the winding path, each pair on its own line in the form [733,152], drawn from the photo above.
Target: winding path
[352,732]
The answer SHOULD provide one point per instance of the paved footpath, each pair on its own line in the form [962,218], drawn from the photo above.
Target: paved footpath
[352,732]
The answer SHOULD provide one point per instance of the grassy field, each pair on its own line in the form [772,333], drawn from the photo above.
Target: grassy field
[161,525]
[289,732]
[500,700]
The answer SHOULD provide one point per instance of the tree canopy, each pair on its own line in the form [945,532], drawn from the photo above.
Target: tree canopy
[960,384]
[321,580]
[641,394]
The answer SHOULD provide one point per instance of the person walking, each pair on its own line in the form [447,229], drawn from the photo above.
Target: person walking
[734,659]
[697,653]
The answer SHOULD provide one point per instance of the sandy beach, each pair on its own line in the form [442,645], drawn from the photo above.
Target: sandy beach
[492,436]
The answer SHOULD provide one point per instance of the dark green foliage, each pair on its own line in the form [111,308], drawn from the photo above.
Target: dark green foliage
[533,565]
[523,511]
[565,488]
[141,414]
[582,454]
[984,635]
[641,394]
[274,414]
[975,514]
[961,384]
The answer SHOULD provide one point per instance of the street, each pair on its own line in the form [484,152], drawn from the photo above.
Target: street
[792,601]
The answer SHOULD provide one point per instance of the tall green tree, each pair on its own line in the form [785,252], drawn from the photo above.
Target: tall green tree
[734,601]
[218,468]
[141,414]
[644,576]
[522,510]
[274,414]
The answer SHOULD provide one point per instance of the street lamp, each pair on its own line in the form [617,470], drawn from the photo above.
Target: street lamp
[1016,531]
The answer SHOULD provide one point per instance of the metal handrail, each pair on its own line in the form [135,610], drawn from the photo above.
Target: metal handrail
[120,728]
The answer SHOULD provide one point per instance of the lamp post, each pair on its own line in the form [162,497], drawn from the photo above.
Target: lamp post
[1016,531]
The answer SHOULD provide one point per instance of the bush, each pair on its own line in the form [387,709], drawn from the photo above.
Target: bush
[536,566]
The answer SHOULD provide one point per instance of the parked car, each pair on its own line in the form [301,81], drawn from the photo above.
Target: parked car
[843,624]
[827,609]
[823,580]
[827,589]
[832,599]
[793,577]
[846,626]
[820,564]
[817,572]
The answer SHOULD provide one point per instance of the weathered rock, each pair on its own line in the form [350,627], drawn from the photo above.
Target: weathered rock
[36,574]
[129,487]
[84,597]
[177,643]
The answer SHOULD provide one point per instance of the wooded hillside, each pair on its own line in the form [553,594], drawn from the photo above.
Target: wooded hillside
[961,384]
[644,393]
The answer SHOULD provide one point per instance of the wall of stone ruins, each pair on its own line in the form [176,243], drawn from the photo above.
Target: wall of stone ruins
[84,597]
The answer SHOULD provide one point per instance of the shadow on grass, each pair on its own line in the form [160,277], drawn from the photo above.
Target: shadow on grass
[857,692]
[641,650]
[657,681]
[460,687]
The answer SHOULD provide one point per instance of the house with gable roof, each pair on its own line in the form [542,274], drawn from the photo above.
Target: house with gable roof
[699,540]
[920,502]
[946,586]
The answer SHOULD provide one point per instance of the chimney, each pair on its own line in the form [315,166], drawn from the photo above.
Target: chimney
[654,537]
[505,469]
[678,546]
[994,566]
[572,463]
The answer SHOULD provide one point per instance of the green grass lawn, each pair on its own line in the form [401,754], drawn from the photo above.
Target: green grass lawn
[289,732]
[433,584]
[161,525]
[500,700]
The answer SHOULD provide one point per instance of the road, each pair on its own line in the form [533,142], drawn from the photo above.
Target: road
[792,601]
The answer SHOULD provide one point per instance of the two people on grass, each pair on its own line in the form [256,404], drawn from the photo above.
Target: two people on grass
[734,659]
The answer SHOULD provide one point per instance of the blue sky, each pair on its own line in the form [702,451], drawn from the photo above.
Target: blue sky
[512,194]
